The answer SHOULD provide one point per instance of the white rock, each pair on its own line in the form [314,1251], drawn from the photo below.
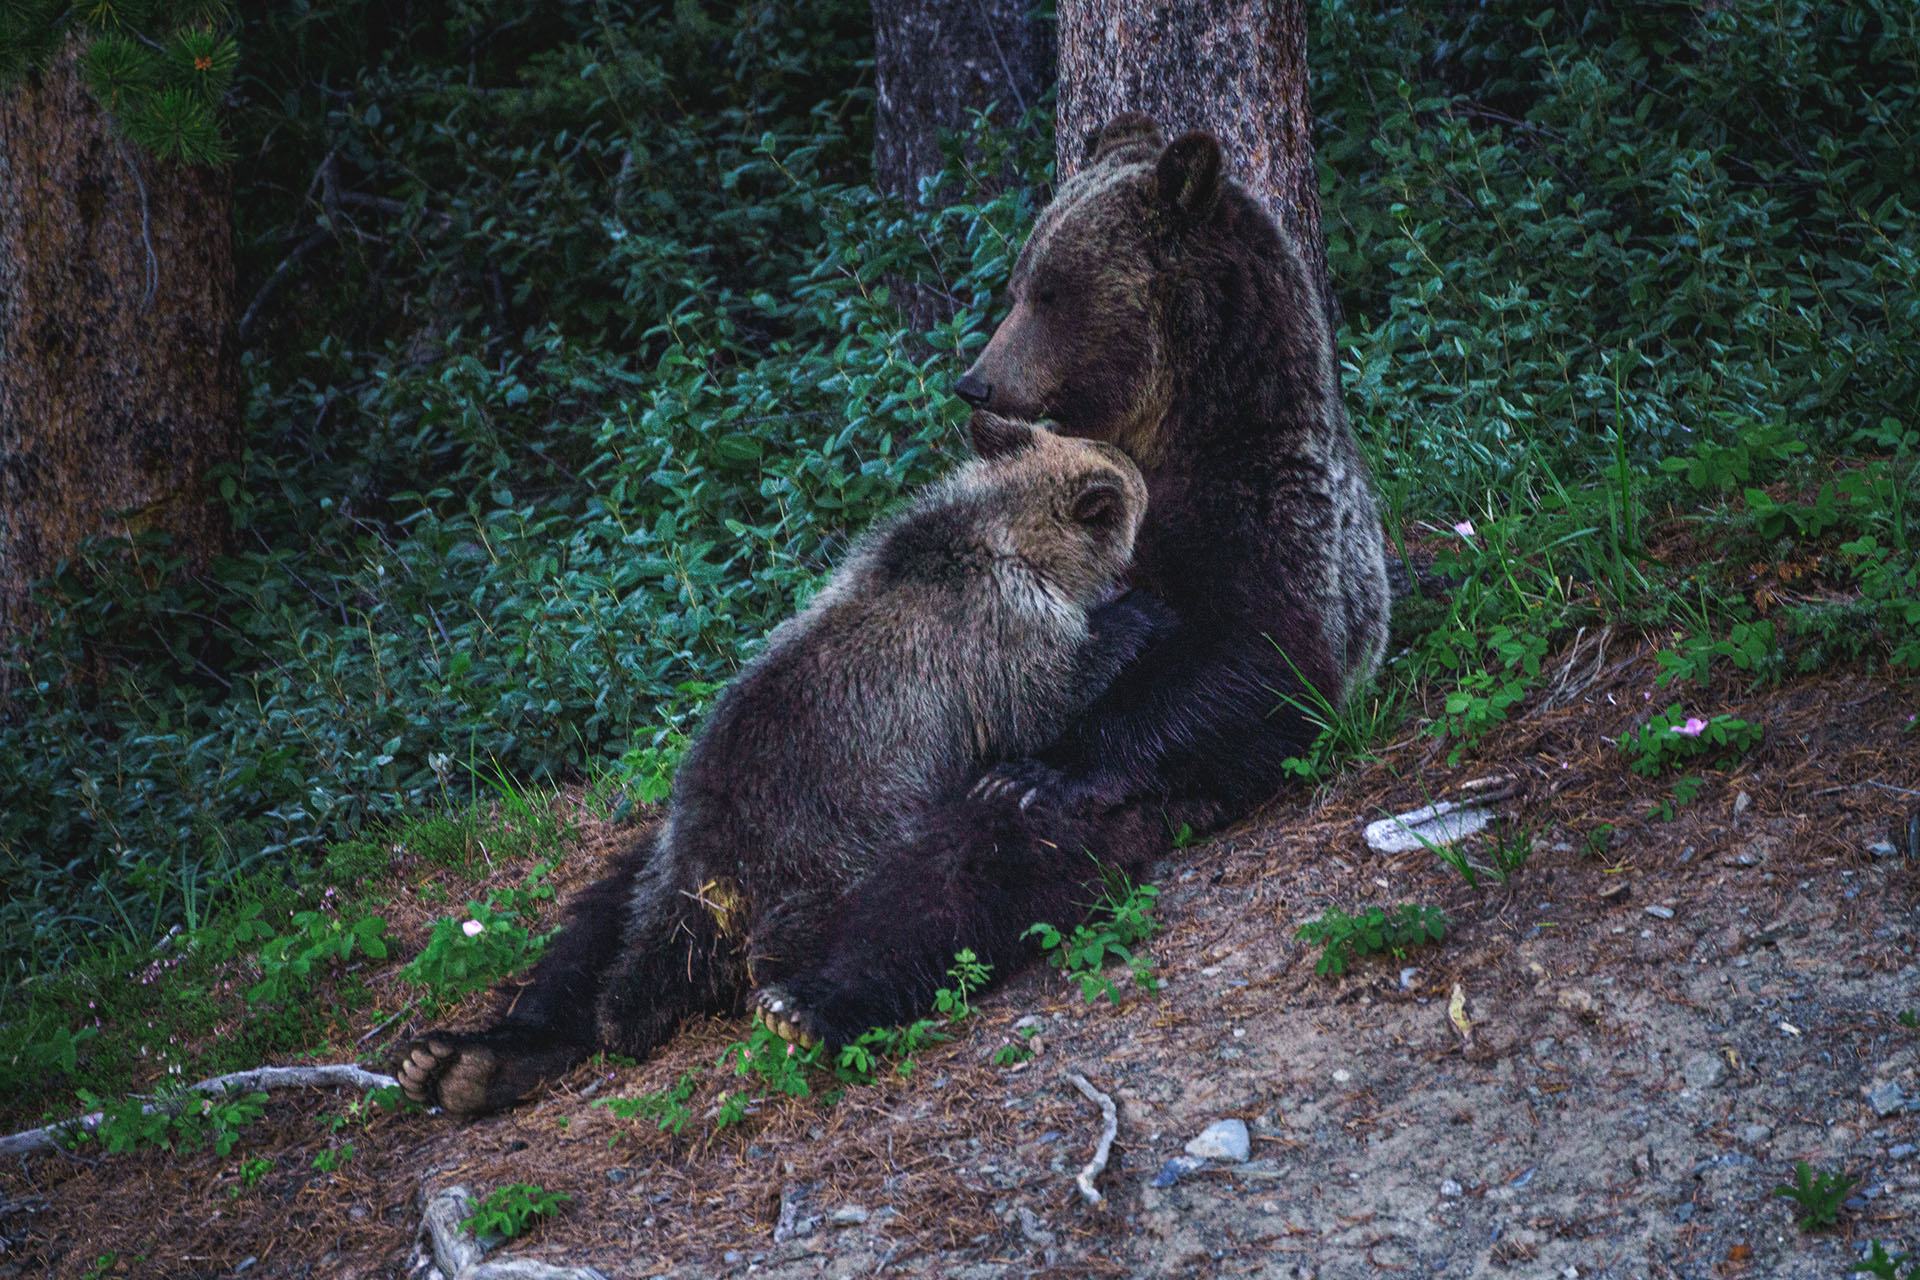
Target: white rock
[1223,1140]
[454,1250]
[1436,824]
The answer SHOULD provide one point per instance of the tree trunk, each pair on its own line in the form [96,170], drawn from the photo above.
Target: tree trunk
[934,61]
[1236,68]
[117,361]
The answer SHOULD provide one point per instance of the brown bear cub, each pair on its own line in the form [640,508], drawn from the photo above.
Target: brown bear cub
[1158,307]
[965,630]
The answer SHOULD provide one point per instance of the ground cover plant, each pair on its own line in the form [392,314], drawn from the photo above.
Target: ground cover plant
[607,368]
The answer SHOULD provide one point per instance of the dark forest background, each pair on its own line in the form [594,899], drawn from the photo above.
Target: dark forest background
[571,348]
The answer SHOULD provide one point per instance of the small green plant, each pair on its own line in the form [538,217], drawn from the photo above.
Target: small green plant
[333,1158]
[508,1211]
[1909,1018]
[175,1120]
[1343,734]
[1185,838]
[968,976]
[251,1170]
[490,942]
[1509,850]
[1008,1055]
[1879,1264]
[1818,1195]
[1343,938]
[667,1108]
[1599,840]
[1113,930]
[1673,737]
[287,963]
[1749,646]
[775,1064]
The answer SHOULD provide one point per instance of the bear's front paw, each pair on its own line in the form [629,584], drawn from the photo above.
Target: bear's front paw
[783,1016]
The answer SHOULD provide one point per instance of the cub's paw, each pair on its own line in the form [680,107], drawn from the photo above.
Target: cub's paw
[451,1071]
[783,1016]
[1022,782]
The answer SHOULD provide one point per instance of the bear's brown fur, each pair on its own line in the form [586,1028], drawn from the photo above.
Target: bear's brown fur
[969,627]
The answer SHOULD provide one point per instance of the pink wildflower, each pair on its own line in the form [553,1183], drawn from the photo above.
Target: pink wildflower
[1690,729]
[1464,528]
[473,928]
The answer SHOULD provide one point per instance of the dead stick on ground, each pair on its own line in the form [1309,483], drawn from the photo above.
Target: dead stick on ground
[1109,1126]
[331,1076]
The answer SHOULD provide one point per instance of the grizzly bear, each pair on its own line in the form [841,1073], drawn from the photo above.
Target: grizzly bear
[1155,306]
[966,630]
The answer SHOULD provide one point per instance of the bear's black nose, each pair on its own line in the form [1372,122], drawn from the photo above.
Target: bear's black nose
[973,390]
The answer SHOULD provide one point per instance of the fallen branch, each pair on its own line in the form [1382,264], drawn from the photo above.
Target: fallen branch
[336,1075]
[1109,1126]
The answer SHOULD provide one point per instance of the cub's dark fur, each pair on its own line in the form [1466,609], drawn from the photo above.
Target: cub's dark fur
[1156,306]
[968,629]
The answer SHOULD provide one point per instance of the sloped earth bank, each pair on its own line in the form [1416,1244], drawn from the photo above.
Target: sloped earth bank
[1657,1033]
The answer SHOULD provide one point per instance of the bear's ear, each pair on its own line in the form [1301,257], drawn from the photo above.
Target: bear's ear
[1187,178]
[996,437]
[1130,131]
[1099,503]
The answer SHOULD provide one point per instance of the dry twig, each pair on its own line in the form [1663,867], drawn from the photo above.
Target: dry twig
[1109,1126]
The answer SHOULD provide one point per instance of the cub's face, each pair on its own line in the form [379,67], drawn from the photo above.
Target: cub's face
[1077,506]
[1084,344]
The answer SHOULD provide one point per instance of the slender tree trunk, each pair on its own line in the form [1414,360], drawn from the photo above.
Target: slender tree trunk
[1236,68]
[935,61]
[117,361]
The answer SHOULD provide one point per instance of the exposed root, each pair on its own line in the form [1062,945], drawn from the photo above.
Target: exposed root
[336,1075]
[1109,1126]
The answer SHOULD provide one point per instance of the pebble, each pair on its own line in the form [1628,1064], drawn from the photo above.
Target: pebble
[1222,1140]
[1882,849]
[1901,1151]
[1450,1188]
[245,1262]
[1177,1168]
[851,1215]
[1755,1134]
[1704,1071]
[1885,1098]
[1342,1076]
[1664,913]
[1746,860]
[1740,803]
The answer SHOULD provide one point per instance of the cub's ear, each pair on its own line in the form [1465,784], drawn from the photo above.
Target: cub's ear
[1099,503]
[1187,177]
[1130,131]
[996,437]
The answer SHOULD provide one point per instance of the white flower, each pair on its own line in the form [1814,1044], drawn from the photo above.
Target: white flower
[473,928]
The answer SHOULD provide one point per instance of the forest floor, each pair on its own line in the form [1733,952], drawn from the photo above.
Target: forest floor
[1656,1031]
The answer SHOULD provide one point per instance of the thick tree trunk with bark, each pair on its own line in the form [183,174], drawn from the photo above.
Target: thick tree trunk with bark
[117,361]
[1236,68]
[934,61]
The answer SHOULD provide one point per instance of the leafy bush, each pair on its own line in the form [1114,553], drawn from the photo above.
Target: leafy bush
[508,1211]
[1343,938]
[1673,737]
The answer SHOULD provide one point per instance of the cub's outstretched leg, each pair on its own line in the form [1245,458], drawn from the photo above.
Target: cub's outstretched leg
[981,875]
[555,1019]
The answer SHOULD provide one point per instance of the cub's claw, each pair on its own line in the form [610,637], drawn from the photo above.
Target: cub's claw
[1020,781]
[777,1011]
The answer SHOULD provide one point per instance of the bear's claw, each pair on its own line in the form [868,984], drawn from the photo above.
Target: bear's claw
[778,1012]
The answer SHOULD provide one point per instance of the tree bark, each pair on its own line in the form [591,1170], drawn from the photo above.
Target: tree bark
[117,363]
[934,61]
[1236,68]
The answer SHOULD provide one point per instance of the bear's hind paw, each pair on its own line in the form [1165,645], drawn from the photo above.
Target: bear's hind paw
[779,1013]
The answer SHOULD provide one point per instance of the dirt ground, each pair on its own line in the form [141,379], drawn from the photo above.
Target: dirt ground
[1656,1031]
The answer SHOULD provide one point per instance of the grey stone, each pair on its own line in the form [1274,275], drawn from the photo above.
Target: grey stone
[1450,1189]
[1222,1140]
[1885,1098]
[1882,849]
[1704,1071]
[1755,1134]
[1655,909]
[1177,1168]
[1900,1151]
[850,1215]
